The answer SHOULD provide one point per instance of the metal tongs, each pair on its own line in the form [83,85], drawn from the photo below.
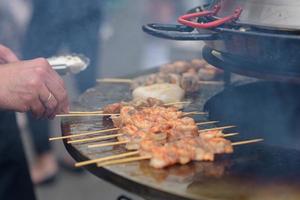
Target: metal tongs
[65,64]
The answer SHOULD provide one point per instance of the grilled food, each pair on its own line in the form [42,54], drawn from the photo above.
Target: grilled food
[167,136]
[187,75]
[184,150]
[115,108]
[165,92]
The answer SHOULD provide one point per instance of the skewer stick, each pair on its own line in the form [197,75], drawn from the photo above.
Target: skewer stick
[114,80]
[100,112]
[86,115]
[122,155]
[116,135]
[83,134]
[211,82]
[124,160]
[129,81]
[125,142]
[94,138]
[229,135]
[205,123]
[178,102]
[108,130]
[215,129]
[195,113]
[107,144]
[139,158]
[86,112]
[247,142]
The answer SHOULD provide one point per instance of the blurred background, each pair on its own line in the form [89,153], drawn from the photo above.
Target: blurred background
[107,31]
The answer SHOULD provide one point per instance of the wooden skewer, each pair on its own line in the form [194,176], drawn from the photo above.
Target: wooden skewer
[86,115]
[107,144]
[129,81]
[178,102]
[86,112]
[93,161]
[126,160]
[116,135]
[205,123]
[94,138]
[108,130]
[98,160]
[114,80]
[211,82]
[83,134]
[215,129]
[195,113]
[125,142]
[247,142]
[100,112]
[229,135]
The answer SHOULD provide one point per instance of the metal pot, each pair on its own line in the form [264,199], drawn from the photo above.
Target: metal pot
[267,14]
[278,49]
[270,14]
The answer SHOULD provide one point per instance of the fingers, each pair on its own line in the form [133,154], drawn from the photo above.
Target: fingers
[48,86]
[37,108]
[49,102]
[7,55]
[57,87]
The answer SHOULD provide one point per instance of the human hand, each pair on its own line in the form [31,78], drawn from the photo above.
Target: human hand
[31,86]
[7,55]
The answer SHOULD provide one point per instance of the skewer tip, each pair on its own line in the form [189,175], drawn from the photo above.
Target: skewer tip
[247,142]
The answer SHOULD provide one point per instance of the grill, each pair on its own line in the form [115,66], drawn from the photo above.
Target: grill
[266,108]
[258,171]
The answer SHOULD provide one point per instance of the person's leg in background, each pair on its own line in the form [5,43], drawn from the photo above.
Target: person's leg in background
[15,181]
[45,167]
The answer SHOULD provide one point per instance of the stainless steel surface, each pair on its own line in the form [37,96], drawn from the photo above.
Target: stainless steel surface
[264,13]
[65,64]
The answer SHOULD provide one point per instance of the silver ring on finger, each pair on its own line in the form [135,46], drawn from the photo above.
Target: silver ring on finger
[49,97]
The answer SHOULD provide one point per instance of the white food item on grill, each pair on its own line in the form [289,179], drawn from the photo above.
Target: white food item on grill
[165,92]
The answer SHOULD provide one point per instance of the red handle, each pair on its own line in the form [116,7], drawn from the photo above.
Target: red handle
[185,19]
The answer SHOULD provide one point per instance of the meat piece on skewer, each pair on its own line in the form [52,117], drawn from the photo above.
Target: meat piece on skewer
[158,133]
[184,150]
[221,145]
[198,63]
[188,75]
[156,123]
[209,72]
[183,80]
[155,78]
[165,135]
[212,134]
[190,82]
[182,128]
[115,108]
[131,115]
[177,67]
